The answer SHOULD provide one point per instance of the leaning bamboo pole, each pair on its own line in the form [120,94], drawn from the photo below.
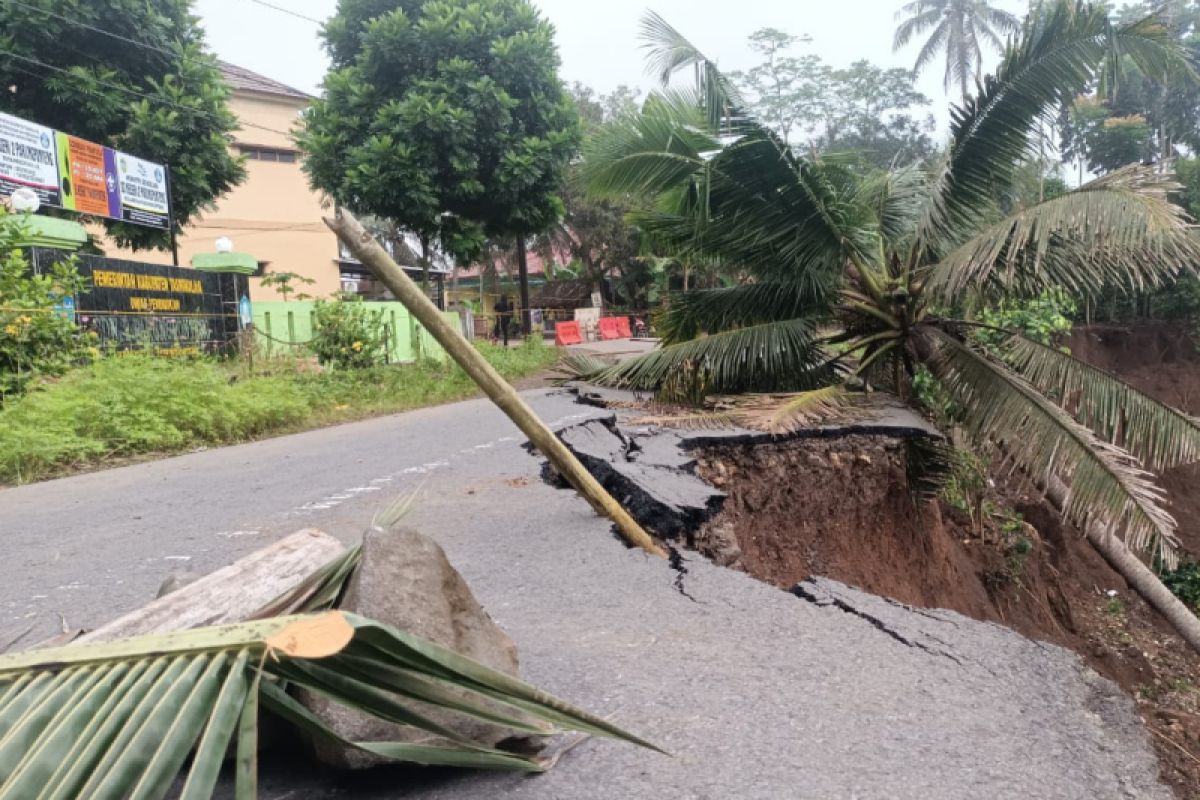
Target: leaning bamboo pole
[375,258]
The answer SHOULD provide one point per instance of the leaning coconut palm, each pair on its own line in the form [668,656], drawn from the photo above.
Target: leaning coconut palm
[857,276]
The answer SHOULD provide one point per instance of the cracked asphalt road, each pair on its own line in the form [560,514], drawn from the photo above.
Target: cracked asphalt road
[755,692]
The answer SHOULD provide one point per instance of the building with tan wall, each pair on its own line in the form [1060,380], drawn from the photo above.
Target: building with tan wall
[273,214]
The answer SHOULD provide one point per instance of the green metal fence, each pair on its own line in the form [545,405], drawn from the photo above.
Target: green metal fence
[280,325]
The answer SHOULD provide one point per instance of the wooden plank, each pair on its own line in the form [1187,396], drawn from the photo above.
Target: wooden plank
[230,594]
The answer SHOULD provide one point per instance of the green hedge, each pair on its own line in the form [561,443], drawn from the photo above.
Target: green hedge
[133,405]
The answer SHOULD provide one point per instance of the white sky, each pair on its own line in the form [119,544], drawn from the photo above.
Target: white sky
[597,39]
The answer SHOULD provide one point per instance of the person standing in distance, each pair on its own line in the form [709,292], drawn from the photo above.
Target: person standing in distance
[503,316]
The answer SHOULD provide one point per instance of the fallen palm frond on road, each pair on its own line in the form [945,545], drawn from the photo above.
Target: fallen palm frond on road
[119,719]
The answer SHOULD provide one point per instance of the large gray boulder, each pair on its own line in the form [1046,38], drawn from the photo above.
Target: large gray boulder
[405,580]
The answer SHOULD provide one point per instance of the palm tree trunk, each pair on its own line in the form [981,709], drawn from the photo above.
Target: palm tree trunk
[367,250]
[1147,584]
[1136,574]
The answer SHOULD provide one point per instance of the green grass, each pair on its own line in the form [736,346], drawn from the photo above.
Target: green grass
[123,407]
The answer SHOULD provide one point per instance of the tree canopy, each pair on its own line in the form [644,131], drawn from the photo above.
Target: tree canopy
[785,91]
[445,117]
[146,86]
[875,113]
[1132,115]
[593,231]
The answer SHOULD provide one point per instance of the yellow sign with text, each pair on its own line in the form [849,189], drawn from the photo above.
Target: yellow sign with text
[111,279]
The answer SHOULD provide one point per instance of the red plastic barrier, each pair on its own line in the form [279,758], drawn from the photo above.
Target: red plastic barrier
[566,333]
[609,328]
[623,328]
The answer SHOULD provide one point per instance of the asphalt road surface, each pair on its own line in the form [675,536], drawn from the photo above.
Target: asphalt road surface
[755,693]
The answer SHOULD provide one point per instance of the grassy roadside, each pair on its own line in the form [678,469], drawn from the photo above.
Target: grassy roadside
[123,407]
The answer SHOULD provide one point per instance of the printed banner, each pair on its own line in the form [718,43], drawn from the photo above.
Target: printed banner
[27,159]
[88,180]
[75,174]
[143,191]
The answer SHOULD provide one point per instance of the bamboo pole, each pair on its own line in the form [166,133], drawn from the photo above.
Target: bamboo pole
[367,250]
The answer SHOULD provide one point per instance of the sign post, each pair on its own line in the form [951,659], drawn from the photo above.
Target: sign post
[171,224]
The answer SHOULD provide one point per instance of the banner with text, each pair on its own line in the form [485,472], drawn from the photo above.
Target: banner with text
[75,174]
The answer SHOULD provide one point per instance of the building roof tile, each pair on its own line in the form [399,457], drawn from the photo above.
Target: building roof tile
[249,81]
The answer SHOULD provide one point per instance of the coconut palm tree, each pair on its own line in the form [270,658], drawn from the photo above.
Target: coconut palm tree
[955,26]
[857,276]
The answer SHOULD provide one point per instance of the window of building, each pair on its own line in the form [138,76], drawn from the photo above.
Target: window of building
[256,153]
[344,253]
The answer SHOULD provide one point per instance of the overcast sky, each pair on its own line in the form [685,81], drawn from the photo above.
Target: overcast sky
[597,39]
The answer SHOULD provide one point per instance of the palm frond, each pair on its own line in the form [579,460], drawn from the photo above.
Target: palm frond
[707,311]
[688,419]
[773,356]
[777,413]
[757,205]
[992,38]
[929,464]
[580,365]
[896,198]
[119,719]
[735,194]
[921,18]
[1159,435]
[1060,52]
[789,413]
[935,43]
[318,591]
[1147,42]
[649,153]
[1118,230]
[390,515]
[669,52]
[1000,408]
[998,20]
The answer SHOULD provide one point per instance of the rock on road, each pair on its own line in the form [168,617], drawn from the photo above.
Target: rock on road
[754,692]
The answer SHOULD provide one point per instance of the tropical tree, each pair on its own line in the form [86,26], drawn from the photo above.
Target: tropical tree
[448,118]
[859,279]
[131,75]
[875,113]
[954,26]
[593,231]
[784,91]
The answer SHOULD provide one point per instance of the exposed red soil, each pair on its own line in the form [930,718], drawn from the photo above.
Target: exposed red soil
[842,509]
[1162,360]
